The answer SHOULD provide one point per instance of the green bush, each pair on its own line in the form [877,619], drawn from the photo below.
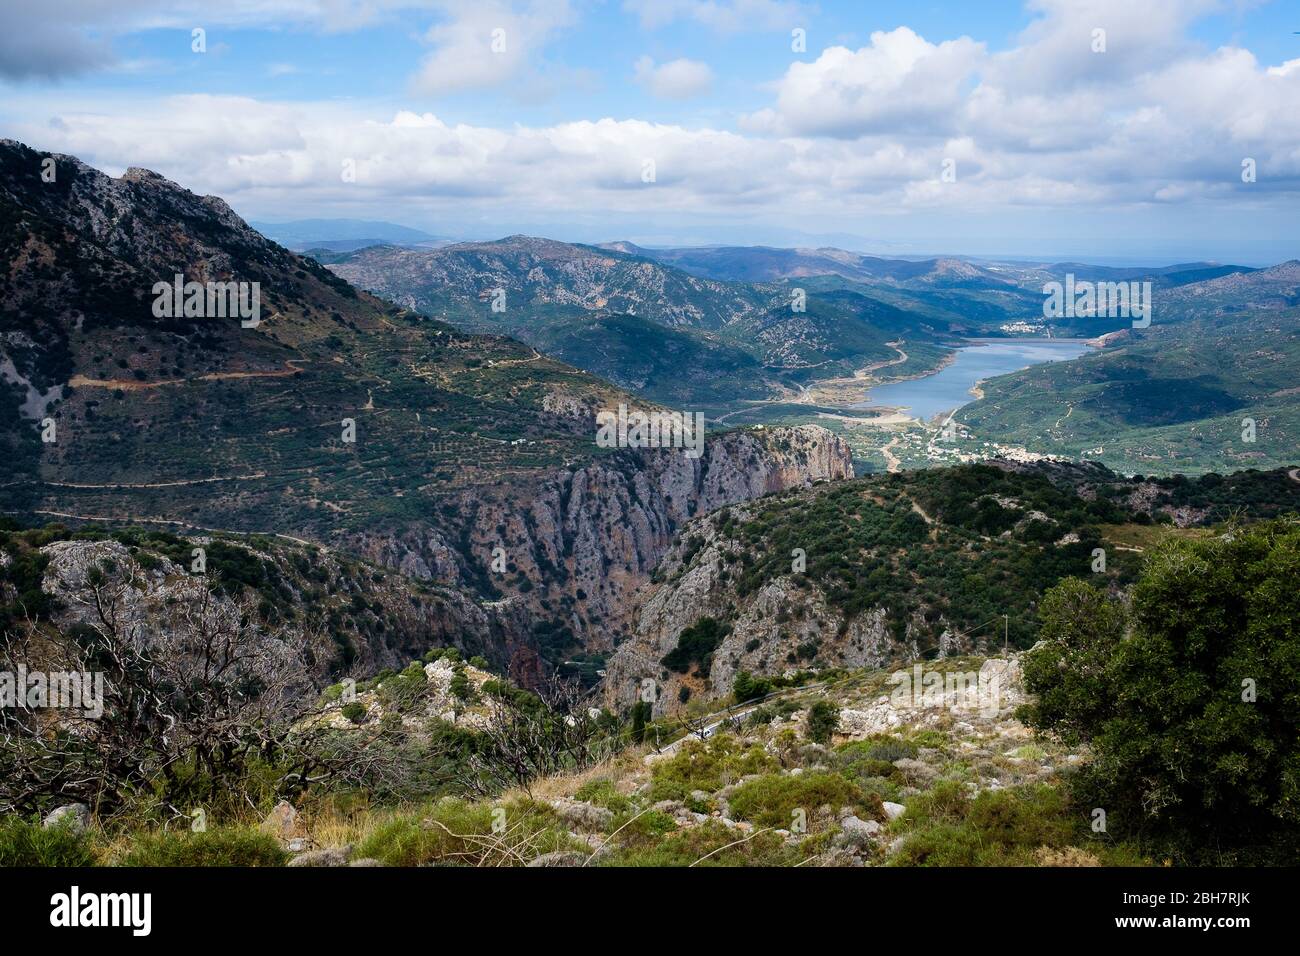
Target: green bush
[223,846]
[457,832]
[602,793]
[706,765]
[947,827]
[27,843]
[823,721]
[748,687]
[695,645]
[1189,698]
[710,844]
[771,800]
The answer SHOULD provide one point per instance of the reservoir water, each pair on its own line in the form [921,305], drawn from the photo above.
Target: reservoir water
[950,387]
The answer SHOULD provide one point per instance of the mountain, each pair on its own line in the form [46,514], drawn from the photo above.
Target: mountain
[338,418]
[888,569]
[677,338]
[343,235]
[1203,394]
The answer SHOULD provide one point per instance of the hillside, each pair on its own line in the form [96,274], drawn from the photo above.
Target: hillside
[370,618]
[462,450]
[898,567]
[627,317]
[1169,399]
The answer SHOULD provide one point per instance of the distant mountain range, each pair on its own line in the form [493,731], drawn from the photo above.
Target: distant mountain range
[343,235]
[643,324]
[336,418]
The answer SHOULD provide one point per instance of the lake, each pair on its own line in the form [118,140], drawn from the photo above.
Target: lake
[950,387]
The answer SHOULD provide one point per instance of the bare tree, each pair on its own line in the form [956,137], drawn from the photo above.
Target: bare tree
[530,736]
[194,690]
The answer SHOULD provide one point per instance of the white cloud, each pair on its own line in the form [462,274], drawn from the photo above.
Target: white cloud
[848,135]
[900,83]
[488,43]
[676,79]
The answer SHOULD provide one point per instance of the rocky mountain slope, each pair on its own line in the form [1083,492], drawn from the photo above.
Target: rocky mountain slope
[366,618]
[606,311]
[337,417]
[899,567]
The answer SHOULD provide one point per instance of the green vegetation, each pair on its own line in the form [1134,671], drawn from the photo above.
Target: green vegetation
[823,721]
[223,846]
[707,765]
[695,645]
[1033,825]
[870,543]
[27,843]
[776,800]
[1189,697]
[455,831]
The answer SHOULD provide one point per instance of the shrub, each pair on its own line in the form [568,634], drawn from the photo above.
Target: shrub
[1188,698]
[27,843]
[695,645]
[706,765]
[224,846]
[996,828]
[710,844]
[771,800]
[603,793]
[823,721]
[457,832]
[748,687]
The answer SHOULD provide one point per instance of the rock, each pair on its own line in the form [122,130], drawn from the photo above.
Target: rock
[894,810]
[856,833]
[559,858]
[296,845]
[366,861]
[583,815]
[282,822]
[854,824]
[330,856]
[73,815]
[700,796]
[836,856]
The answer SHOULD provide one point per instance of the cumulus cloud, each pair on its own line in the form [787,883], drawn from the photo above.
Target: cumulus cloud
[676,79]
[849,134]
[900,82]
[488,43]
[71,37]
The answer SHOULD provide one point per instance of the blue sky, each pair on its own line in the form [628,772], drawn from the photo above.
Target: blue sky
[1053,148]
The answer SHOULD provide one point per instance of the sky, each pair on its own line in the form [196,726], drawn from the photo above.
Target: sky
[1147,131]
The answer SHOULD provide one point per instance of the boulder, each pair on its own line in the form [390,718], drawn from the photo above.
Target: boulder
[894,810]
[330,856]
[282,822]
[559,858]
[583,815]
[73,815]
